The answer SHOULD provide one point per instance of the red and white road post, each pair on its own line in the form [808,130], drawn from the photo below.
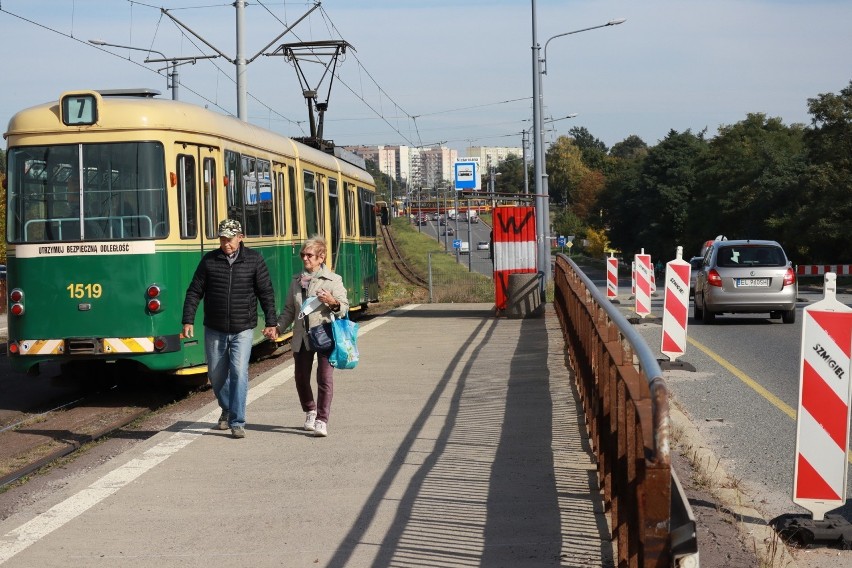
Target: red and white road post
[643,273]
[611,277]
[675,307]
[822,428]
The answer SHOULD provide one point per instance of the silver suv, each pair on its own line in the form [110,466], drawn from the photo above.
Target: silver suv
[746,277]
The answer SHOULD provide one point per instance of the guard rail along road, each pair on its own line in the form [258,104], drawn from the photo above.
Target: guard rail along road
[625,400]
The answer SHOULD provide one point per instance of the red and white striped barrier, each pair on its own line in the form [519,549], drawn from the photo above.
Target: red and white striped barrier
[822,428]
[611,277]
[514,247]
[675,307]
[820,269]
[644,271]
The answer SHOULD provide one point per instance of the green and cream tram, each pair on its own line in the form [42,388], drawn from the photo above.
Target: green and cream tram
[112,199]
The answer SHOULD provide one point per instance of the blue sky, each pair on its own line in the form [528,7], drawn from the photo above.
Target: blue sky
[463,69]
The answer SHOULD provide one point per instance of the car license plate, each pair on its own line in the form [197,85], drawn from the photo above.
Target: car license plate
[752,282]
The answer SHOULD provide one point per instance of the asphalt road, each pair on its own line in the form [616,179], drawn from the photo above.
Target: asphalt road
[743,398]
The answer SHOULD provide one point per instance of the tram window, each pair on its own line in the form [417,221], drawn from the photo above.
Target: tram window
[294,193]
[210,217]
[368,213]
[310,203]
[264,180]
[251,223]
[187,190]
[280,212]
[334,218]
[349,210]
[321,203]
[123,192]
[234,194]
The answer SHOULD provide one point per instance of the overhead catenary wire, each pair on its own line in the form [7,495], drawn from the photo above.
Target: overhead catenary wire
[413,136]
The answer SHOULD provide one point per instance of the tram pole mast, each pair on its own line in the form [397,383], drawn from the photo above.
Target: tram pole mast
[240,61]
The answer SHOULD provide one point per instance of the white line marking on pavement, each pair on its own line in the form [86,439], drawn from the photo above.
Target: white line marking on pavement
[19,539]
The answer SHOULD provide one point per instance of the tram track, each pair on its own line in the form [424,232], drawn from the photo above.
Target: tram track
[43,433]
[39,439]
[399,262]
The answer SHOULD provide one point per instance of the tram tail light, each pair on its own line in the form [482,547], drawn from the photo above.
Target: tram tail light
[159,343]
[153,294]
[13,347]
[17,298]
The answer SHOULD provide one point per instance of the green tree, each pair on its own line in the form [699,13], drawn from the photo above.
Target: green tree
[631,148]
[668,183]
[750,181]
[593,151]
[511,178]
[565,169]
[826,224]
[646,201]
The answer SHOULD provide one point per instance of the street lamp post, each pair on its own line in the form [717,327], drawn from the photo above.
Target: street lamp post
[541,185]
[172,76]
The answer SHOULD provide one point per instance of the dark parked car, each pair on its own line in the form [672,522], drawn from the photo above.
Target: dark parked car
[694,267]
[746,277]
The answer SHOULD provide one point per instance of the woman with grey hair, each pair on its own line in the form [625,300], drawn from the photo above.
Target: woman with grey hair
[316,281]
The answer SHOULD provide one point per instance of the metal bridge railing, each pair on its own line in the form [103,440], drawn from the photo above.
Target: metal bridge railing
[625,400]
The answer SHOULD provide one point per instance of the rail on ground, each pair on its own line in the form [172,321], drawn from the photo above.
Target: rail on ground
[399,262]
[625,401]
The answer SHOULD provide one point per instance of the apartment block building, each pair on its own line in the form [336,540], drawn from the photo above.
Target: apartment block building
[411,167]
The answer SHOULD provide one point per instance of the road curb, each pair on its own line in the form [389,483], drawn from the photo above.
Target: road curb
[750,523]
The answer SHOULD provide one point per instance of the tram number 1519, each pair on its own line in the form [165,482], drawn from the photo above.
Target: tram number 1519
[79,291]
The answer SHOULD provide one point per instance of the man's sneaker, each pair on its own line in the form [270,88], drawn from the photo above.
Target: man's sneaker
[320,429]
[238,432]
[223,421]
[310,419]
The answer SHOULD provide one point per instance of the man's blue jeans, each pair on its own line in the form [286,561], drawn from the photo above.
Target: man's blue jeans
[227,368]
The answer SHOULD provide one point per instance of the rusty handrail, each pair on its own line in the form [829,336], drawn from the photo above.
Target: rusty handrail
[625,400]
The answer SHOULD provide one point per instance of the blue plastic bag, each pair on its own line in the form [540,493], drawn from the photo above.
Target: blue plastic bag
[345,354]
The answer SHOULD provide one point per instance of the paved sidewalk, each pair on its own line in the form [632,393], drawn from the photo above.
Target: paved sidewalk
[456,442]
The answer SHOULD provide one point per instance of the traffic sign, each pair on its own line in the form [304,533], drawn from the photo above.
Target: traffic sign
[560,241]
[675,307]
[822,427]
[611,277]
[456,243]
[467,174]
[644,273]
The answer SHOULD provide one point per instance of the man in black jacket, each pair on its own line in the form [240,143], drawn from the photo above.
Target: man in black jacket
[231,280]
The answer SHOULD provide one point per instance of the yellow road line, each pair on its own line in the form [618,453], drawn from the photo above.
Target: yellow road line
[777,402]
[754,385]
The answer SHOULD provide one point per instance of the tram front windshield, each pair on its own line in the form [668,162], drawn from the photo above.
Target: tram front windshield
[92,192]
